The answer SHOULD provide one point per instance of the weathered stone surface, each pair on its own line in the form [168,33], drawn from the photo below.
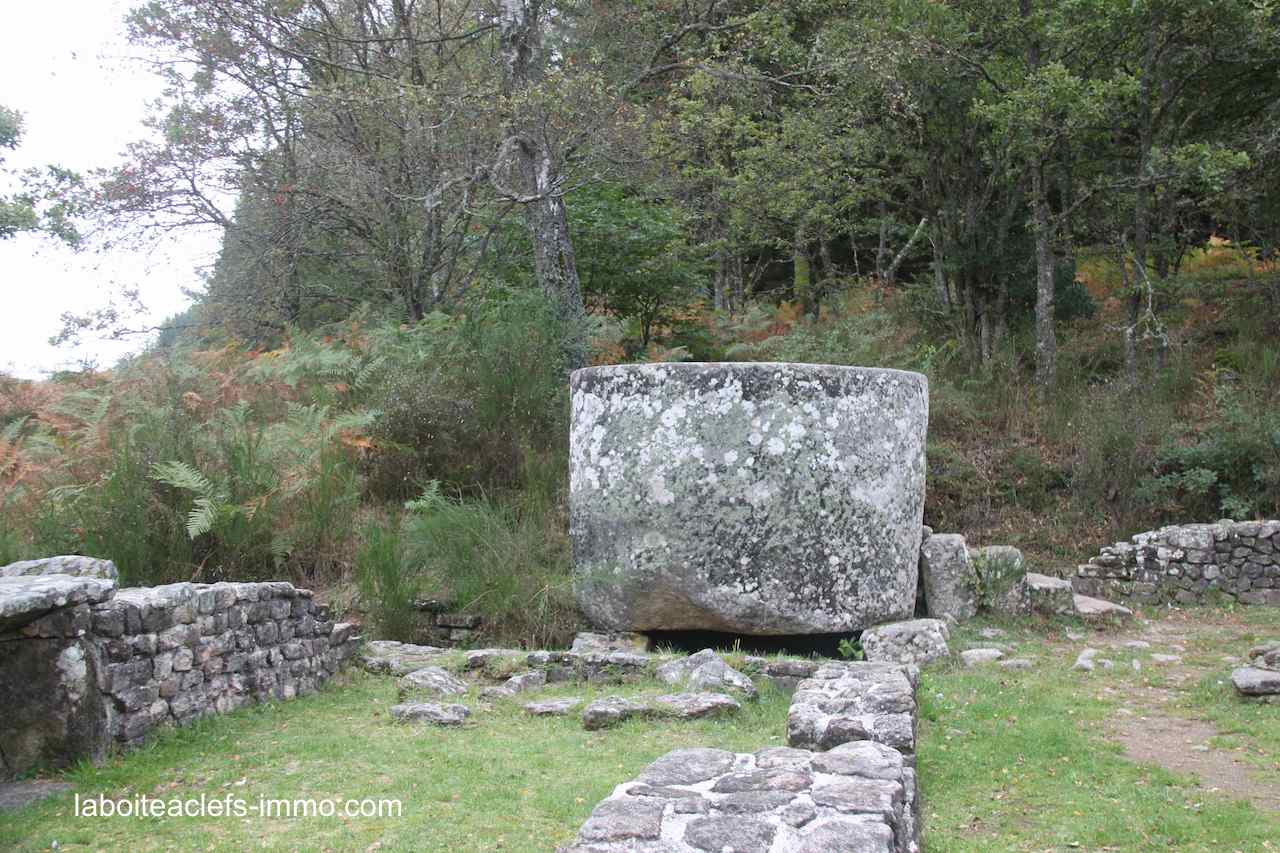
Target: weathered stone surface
[17,795]
[916,641]
[948,577]
[24,598]
[51,711]
[73,565]
[1096,610]
[690,706]
[1084,660]
[1051,596]
[90,672]
[432,681]
[752,498]
[705,670]
[431,712]
[611,710]
[1253,681]
[627,641]
[855,701]
[1265,655]
[851,800]
[392,658]
[977,657]
[553,707]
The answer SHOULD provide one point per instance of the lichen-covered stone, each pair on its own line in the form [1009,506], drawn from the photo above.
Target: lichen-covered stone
[706,670]
[432,681]
[692,706]
[73,565]
[431,712]
[855,800]
[948,577]
[855,701]
[915,641]
[24,598]
[752,498]
[1051,596]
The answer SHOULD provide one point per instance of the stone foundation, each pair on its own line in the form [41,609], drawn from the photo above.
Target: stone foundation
[1189,563]
[83,666]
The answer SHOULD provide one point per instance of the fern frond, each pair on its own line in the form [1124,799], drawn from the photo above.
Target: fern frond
[201,519]
[180,475]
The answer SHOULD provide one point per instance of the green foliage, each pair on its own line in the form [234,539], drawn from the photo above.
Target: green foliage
[501,559]
[475,401]
[387,587]
[1230,468]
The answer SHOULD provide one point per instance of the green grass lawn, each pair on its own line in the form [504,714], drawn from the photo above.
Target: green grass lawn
[1009,760]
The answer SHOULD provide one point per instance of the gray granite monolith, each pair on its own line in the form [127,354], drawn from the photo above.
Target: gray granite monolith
[746,498]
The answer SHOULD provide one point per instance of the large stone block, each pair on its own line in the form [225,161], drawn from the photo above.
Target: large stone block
[949,579]
[749,498]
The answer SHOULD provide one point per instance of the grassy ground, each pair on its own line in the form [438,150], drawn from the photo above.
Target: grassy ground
[1030,760]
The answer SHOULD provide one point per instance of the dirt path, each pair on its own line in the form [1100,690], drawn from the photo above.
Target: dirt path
[1152,727]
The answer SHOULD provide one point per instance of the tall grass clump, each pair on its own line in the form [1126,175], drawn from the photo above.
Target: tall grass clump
[387,585]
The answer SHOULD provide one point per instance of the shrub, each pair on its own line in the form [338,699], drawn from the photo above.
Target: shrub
[387,589]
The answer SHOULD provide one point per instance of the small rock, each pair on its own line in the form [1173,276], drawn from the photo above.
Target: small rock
[1097,610]
[975,657]
[1084,661]
[1075,636]
[991,633]
[553,707]
[1254,681]
[608,712]
[689,706]
[1137,644]
[1016,663]
[706,671]
[915,641]
[430,712]
[432,680]
[1165,659]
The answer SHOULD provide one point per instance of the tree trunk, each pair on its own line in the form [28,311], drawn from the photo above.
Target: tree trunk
[545,214]
[1046,335]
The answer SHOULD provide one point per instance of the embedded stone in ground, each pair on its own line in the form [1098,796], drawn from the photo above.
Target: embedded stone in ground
[1097,610]
[689,706]
[431,680]
[747,498]
[949,581]
[392,658]
[553,707]
[1254,681]
[705,670]
[778,800]
[608,712]
[430,712]
[976,657]
[916,641]
[17,795]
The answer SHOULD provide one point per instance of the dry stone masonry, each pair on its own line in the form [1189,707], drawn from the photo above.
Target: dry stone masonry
[1185,563]
[747,498]
[845,784]
[84,665]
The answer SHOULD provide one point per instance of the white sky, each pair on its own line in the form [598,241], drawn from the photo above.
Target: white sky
[65,66]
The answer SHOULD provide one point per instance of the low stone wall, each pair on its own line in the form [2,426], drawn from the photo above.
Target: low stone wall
[83,665]
[845,782]
[1185,563]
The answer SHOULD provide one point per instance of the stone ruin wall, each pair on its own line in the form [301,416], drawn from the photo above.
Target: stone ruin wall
[1189,564]
[107,666]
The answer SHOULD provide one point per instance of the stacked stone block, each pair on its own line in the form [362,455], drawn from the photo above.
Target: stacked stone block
[85,665]
[177,652]
[1188,563]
